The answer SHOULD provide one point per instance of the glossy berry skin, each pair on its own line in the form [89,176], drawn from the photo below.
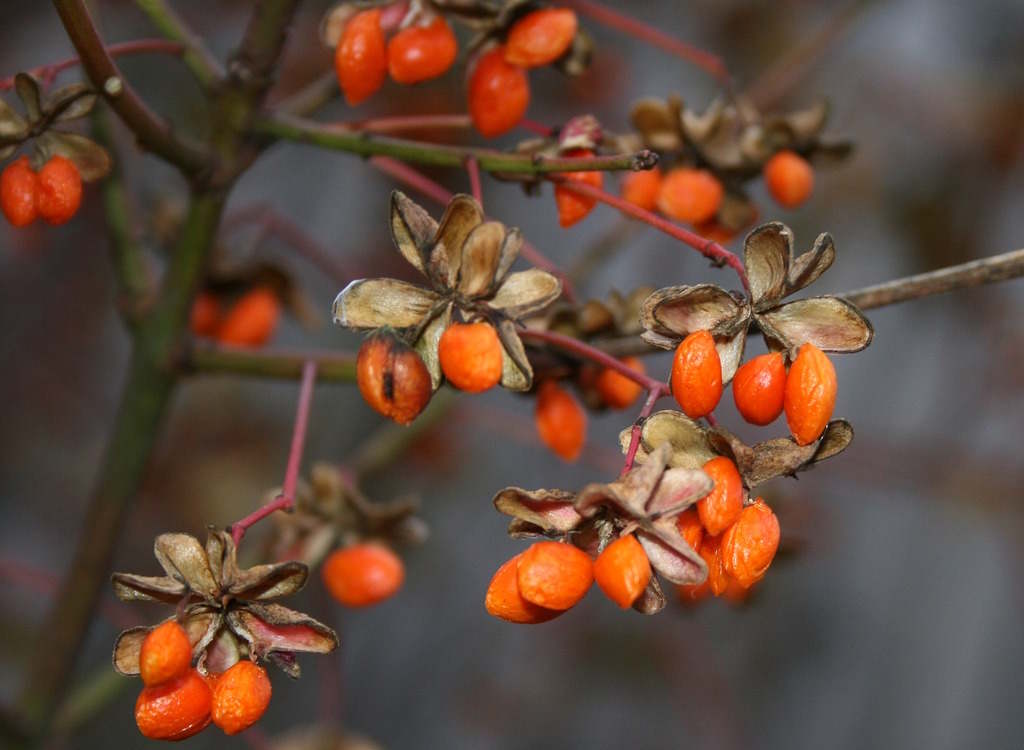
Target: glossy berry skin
[204,319]
[810,394]
[554,575]
[499,94]
[363,574]
[165,654]
[392,378]
[572,207]
[642,188]
[690,195]
[711,551]
[759,387]
[789,178]
[504,601]
[471,356]
[749,546]
[722,506]
[60,191]
[689,525]
[616,390]
[693,593]
[561,421]
[697,375]
[174,710]
[361,57]
[420,53]
[240,697]
[541,37]
[251,320]
[623,571]
[19,185]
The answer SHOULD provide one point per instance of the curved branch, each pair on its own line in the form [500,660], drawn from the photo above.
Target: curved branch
[46,73]
[204,66]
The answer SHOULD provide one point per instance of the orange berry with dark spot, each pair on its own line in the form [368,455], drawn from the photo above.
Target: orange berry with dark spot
[573,207]
[711,551]
[720,508]
[690,195]
[540,37]
[750,544]
[392,377]
[363,574]
[499,94]
[759,387]
[176,709]
[420,53]
[471,356]
[251,320]
[642,188]
[554,575]
[361,57]
[204,320]
[789,178]
[60,190]
[19,186]
[615,389]
[504,601]
[561,421]
[810,394]
[240,697]
[697,375]
[623,571]
[165,654]
[689,525]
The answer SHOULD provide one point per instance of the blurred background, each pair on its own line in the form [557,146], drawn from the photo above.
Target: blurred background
[896,622]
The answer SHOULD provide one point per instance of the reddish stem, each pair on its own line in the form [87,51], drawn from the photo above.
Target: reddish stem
[536,128]
[473,168]
[46,73]
[638,427]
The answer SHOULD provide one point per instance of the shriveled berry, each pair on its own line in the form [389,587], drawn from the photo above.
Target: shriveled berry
[240,697]
[623,571]
[499,94]
[615,389]
[561,421]
[789,178]
[165,654]
[810,394]
[251,320]
[504,601]
[697,375]
[361,57]
[750,544]
[721,507]
[690,195]
[19,185]
[176,709]
[689,525]
[204,320]
[60,190]
[711,551]
[642,188]
[573,207]
[392,377]
[363,574]
[420,53]
[540,37]
[759,387]
[471,356]
[555,575]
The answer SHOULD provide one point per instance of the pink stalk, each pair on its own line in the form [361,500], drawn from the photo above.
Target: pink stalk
[46,73]
[473,168]
[638,427]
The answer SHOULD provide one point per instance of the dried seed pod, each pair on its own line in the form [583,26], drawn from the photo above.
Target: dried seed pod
[623,571]
[554,574]
[810,394]
[392,377]
[722,506]
[697,375]
[504,601]
[749,546]
[759,387]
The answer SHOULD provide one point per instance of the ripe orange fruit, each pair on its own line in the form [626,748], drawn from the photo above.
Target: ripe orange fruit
[810,394]
[251,320]
[749,546]
[693,593]
[19,185]
[540,37]
[711,551]
[736,593]
[60,190]
[758,388]
[361,58]
[363,574]
[205,316]
[174,710]
[642,188]
[165,654]
[392,378]
[722,506]
[789,178]
[504,601]
[697,375]
[690,195]
[555,575]
[616,390]
[471,356]
[689,525]
[240,697]
[499,94]
[623,571]
[420,53]
[561,421]
[573,207]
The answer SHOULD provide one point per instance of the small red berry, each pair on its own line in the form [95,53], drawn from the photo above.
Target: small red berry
[363,574]
[392,378]
[60,190]
[749,546]
[615,389]
[759,387]
[723,505]
[471,356]
[499,94]
[623,571]
[420,53]
[361,58]
[810,394]
[697,375]
[251,320]
[573,207]
[165,654]
[504,601]
[555,575]
[690,195]
[540,37]
[240,697]
[642,188]
[19,185]
[205,316]
[789,178]
[561,421]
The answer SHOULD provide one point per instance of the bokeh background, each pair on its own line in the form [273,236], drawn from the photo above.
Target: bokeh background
[897,622]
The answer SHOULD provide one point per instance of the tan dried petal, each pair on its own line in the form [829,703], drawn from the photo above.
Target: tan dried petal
[28,90]
[11,123]
[551,511]
[372,303]
[806,124]
[91,159]
[462,215]
[129,587]
[837,437]
[510,247]
[678,311]
[701,127]
[686,440]
[127,648]
[730,352]
[629,493]
[670,555]
[516,371]
[74,101]
[830,323]
[526,292]
[185,560]
[677,491]
[766,256]
[266,582]
[271,627]
[412,229]
[806,268]
[426,344]
[658,122]
[480,256]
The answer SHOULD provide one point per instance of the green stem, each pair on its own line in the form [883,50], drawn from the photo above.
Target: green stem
[204,66]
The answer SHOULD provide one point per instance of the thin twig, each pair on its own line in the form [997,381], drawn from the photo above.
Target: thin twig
[204,66]
[636,431]
[473,170]
[404,123]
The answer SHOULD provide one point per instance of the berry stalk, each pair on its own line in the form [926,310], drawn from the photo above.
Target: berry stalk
[638,426]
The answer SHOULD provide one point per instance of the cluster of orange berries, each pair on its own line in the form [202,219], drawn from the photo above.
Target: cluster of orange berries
[249,321]
[363,574]
[178,701]
[52,194]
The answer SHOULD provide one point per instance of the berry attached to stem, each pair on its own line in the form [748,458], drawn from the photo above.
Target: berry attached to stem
[554,575]
[573,207]
[471,356]
[240,697]
[392,377]
[697,375]
[361,58]
[420,53]
[789,178]
[19,185]
[363,574]
[642,188]
[541,37]
[60,191]
[499,94]
[759,387]
[615,389]
[251,320]
[749,546]
[165,654]
[504,601]
[810,394]
[623,571]
[722,506]
[690,195]
[176,709]
[561,421]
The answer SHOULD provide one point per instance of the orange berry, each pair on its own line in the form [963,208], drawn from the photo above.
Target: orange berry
[693,593]
[750,544]
[240,697]
[60,190]
[697,375]
[810,394]
[720,508]
[165,654]
[555,575]
[759,387]
[573,207]
[499,94]
[19,185]
[361,58]
[471,356]
[623,571]
[735,592]
[561,421]
[363,574]
[690,195]
[420,53]
[392,378]
[204,320]
[689,525]
[540,37]
[174,710]
[641,188]
[504,601]
[251,320]
[616,390]
[716,232]
[711,551]
[790,178]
